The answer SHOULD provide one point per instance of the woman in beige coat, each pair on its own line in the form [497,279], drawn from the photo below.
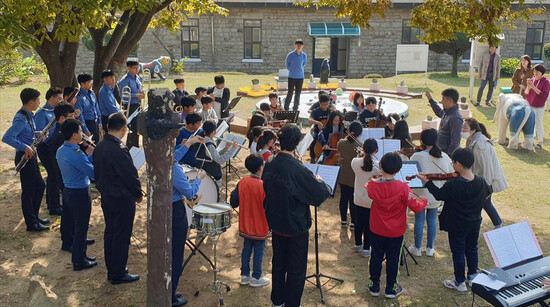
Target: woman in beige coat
[523,73]
[486,162]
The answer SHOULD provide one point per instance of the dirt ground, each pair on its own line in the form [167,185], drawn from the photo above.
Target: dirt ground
[24,255]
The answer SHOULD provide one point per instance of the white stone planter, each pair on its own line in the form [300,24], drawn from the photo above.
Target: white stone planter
[402,89]
[375,87]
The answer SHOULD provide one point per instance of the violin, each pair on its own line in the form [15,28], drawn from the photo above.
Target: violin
[410,151]
[447,176]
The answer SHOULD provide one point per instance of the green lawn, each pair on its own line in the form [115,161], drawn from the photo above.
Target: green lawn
[527,198]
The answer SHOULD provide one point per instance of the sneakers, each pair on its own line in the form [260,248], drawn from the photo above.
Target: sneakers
[260,282]
[344,224]
[415,251]
[365,253]
[245,280]
[374,290]
[394,292]
[487,103]
[538,146]
[452,284]
[476,103]
[429,252]
[358,248]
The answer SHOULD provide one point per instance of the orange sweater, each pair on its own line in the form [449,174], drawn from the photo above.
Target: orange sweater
[252,221]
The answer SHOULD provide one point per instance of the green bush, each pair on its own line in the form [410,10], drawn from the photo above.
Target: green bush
[509,66]
[372,76]
[13,65]
[546,51]
[177,67]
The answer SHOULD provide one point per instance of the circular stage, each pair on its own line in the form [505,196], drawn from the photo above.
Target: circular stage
[308,98]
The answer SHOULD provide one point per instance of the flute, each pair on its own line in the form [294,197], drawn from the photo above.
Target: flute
[233,142]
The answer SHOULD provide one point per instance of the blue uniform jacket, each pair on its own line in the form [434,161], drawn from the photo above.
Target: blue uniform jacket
[42,118]
[181,186]
[76,168]
[134,82]
[20,134]
[107,102]
[90,106]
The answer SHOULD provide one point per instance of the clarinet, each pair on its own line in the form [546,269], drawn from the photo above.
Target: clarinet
[40,138]
[87,139]
[35,143]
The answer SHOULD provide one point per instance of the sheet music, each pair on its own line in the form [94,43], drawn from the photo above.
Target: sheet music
[512,244]
[484,280]
[329,174]
[504,253]
[311,167]
[525,240]
[411,169]
[222,128]
[231,138]
[385,146]
[375,133]
[306,141]
[138,157]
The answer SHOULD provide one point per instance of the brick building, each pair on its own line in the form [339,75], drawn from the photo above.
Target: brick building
[257,35]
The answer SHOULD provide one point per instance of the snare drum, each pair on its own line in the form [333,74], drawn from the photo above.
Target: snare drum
[209,192]
[212,219]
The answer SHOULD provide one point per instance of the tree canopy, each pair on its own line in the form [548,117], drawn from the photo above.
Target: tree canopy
[454,47]
[54,27]
[440,19]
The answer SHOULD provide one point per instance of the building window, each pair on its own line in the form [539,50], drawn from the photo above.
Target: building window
[190,39]
[534,42]
[252,39]
[409,33]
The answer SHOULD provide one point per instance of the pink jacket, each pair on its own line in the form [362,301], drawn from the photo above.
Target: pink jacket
[538,101]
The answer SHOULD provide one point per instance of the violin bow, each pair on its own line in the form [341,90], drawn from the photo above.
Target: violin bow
[444,172]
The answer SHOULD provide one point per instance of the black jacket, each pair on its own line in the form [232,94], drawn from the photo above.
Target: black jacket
[290,189]
[224,100]
[464,201]
[115,173]
[178,96]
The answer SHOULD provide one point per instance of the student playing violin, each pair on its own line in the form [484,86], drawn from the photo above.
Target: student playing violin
[371,112]
[334,125]
[431,160]
[266,142]
[346,149]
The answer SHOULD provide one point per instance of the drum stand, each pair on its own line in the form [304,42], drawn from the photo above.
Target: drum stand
[216,286]
[194,249]
[318,274]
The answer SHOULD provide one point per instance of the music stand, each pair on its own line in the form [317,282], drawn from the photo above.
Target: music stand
[228,167]
[291,116]
[318,274]
[350,116]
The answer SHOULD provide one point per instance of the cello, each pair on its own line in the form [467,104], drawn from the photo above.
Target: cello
[378,123]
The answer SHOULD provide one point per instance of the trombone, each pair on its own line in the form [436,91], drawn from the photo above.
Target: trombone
[125,98]
[147,79]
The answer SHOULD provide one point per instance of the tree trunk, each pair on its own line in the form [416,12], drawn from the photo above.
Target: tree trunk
[454,71]
[60,64]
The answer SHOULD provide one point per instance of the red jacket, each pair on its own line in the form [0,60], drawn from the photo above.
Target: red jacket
[252,221]
[388,213]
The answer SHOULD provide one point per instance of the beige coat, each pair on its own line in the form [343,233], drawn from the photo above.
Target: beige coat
[486,162]
[484,65]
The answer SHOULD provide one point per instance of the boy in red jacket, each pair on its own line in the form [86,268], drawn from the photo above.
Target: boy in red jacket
[388,219]
[250,195]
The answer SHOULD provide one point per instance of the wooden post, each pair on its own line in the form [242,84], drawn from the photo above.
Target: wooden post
[159,126]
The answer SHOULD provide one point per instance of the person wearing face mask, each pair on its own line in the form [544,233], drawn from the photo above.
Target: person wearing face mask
[486,162]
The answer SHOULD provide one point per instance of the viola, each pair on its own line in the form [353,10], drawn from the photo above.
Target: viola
[447,176]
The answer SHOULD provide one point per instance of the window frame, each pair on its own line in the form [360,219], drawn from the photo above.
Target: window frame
[187,26]
[411,40]
[252,42]
[539,56]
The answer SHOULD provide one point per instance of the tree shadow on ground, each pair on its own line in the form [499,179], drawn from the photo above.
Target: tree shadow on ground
[447,78]
[540,157]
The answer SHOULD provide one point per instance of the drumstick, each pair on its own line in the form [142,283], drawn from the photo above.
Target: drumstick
[215,206]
